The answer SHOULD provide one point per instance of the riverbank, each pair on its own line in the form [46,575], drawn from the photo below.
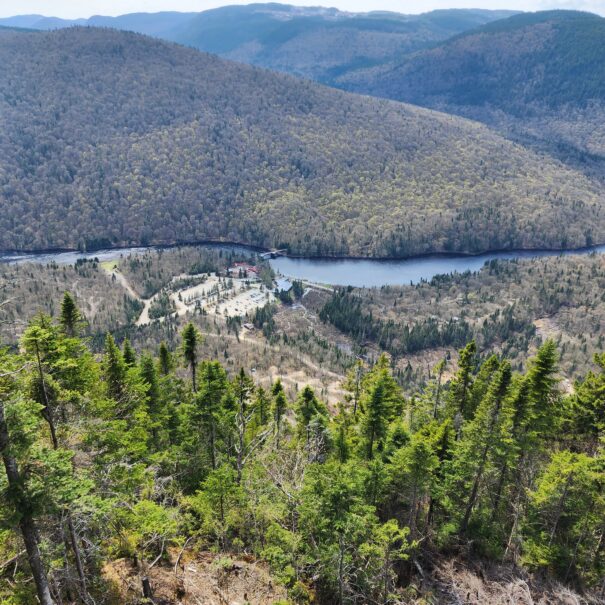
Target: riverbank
[7,255]
[341,271]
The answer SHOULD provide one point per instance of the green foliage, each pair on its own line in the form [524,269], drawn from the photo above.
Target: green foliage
[140,462]
[345,312]
[191,338]
[565,516]
[161,306]
[70,316]
[128,353]
[165,360]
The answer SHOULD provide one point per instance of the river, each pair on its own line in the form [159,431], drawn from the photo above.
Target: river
[344,272]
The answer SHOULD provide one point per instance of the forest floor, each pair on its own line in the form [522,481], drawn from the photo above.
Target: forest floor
[210,579]
[461,582]
[204,579]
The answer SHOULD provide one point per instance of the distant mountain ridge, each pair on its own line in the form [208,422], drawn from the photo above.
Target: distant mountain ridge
[113,138]
[537,77]
[314,42]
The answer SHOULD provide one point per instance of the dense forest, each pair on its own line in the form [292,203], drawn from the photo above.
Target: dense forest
[111,138]
[142,461]
[549,58]
[535,77]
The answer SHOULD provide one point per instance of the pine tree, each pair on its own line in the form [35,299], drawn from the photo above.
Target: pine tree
[536,412]
[307,407]
[353,383]
[479,440]
[544,395]
[341,445]
[165,362]
[280,406]
[587,415]
[381,401]
[439,369]
[207,409]
[128,353]
[412,477]
[155,408]
[191,340]
[480,385]
[243,388]
[461,384]
[70,315]
[565,524]
[262,406]
[375,418]
[114,369]
[17,494]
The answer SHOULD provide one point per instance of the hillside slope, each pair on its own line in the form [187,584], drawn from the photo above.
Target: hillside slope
[318,43]
[539,77]
[113,138]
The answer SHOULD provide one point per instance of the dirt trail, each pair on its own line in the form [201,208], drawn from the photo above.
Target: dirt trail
[119,276]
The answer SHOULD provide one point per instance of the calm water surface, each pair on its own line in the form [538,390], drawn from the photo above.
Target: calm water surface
[369,273]
[343,272]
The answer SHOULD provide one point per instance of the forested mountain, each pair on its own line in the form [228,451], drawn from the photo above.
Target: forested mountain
[318,43]
[109,137]
[539,77]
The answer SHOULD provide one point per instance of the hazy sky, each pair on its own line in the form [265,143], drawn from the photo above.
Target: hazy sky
[86,8]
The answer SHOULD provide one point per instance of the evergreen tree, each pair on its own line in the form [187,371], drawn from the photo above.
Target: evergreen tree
[488,431]
[375,419]
[128,353]
[114,369]
[545,399]
[243,388]
[587,414]
[333,512]
[207,406]
[307,407]
[70,318]
[462,382]
[191,340]
[565,523]
[280,406]
[412,479]
[353,384]
[381,401]
[262,406]
[165,362]
[17,493]
[155,405]
[341,441]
